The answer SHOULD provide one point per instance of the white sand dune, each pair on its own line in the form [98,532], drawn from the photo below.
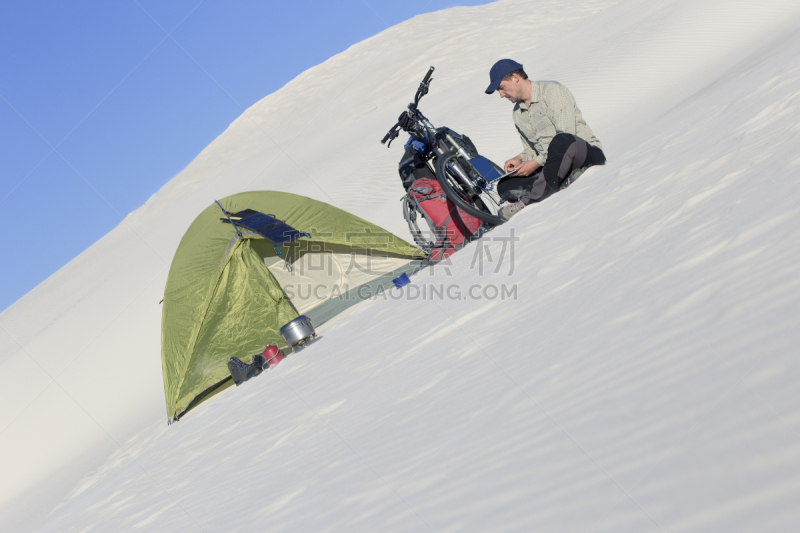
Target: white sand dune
[643,378]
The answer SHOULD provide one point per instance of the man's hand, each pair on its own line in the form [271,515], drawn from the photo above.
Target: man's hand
[523,168]
[513,163]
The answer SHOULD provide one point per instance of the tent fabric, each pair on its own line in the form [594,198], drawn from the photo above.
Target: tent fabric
[221,300]
[340,302]
[317,277]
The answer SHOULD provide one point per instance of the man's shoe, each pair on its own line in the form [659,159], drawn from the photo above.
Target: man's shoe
[259,361]
[569,180]
[509,210]
[241,371]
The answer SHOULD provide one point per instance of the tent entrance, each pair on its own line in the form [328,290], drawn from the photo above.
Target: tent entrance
[321,279]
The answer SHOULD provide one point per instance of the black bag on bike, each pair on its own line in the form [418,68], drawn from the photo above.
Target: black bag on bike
[413,167]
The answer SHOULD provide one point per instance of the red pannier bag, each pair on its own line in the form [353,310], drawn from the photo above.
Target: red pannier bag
[452,228]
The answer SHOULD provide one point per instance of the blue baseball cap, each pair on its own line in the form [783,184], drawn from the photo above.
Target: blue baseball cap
[500,69]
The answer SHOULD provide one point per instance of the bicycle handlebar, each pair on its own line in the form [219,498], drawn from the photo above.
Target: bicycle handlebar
[423,87]
[428,75]
[422,91]
[388,136]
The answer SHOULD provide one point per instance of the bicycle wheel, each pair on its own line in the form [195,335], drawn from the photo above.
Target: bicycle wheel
[483,205]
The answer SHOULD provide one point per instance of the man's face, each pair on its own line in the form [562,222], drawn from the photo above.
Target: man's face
[511,89]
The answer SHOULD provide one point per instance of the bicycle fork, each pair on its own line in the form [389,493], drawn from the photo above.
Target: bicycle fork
[457,170]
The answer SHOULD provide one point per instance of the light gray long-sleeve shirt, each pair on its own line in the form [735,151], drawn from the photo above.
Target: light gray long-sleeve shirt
[553,110]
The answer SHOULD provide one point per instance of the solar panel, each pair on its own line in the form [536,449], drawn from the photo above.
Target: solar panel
[269,227]
[484,168]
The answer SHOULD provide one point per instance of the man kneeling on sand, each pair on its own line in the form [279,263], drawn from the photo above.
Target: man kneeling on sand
[557,143]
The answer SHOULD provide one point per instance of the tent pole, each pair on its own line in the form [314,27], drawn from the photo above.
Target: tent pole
[239,233]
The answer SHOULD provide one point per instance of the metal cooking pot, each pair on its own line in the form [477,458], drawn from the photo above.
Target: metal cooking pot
[298,332]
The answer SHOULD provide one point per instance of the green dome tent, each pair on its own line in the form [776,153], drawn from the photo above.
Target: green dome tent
[228,295]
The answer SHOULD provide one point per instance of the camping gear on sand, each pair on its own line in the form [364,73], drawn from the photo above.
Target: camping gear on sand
[451,227]
[241,371]
[273,355]
[228,295]
[412,165]
[298,332]
[269,227]
[401,280]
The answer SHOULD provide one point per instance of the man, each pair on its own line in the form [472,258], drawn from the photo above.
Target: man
[557,143]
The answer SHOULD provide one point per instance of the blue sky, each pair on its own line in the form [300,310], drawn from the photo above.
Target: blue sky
[101,103]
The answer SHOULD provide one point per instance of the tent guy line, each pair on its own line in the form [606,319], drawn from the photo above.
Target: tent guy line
[401,28]
[706,413]
[433,456]
[663,455]
[247,414]
[663,240]
[100,426]
[378,14]
[542,409]
[741,377]
[225,282]
[54,149]
[397,492]
[244,111]
[603,59]
[45,158]
[78,125]
[237,104]
[501,392]
[713,348]
[584,305]
[123,220]
[55,379]
[202,457]
[687,97]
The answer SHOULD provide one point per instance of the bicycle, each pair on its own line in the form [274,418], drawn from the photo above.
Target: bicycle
[467,178]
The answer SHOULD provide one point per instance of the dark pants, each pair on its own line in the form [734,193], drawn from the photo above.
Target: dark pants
[565,153]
